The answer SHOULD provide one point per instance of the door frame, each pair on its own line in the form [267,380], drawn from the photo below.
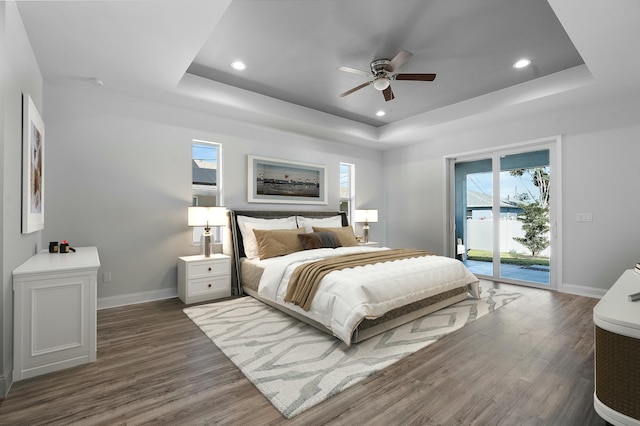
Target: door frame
[554,145]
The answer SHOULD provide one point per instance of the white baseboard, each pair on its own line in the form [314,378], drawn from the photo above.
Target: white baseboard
[133,298]
[582,290]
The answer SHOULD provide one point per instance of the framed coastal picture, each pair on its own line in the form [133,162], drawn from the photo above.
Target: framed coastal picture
[272,180]
[32,167]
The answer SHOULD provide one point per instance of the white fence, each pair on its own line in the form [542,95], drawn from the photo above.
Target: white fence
[480,236]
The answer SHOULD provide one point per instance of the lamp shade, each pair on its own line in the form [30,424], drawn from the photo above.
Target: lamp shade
[207,216]
[370,216]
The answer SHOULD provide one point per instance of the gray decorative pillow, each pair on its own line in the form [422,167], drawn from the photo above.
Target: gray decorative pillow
[316,240]
[345,235]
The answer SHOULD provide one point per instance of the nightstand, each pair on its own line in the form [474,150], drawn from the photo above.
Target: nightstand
[204,278]
[369,244]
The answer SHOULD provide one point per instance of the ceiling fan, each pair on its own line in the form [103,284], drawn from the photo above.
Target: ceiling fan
[382,72]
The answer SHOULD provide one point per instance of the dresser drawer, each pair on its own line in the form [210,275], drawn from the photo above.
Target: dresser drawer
[213,287]
[208,268]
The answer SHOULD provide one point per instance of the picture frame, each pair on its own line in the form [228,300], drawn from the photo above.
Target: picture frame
[33,144]
[271,180]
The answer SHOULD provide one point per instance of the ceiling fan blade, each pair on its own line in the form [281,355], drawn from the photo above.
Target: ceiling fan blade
[388,94]
[402,57]
[355,71]
[416,77]
[350,91]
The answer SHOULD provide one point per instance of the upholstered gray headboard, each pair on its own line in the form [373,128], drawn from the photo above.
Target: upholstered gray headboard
[235,237]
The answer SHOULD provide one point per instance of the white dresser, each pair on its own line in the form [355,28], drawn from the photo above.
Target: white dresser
[204,278]
[617,353]
[54,312]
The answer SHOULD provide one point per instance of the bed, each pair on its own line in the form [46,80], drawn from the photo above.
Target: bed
[352,303]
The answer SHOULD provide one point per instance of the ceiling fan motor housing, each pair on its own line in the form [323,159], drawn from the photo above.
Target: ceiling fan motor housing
[379,66]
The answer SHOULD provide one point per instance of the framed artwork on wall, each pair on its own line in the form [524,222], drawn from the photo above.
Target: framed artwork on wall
[32,167]
[272,180]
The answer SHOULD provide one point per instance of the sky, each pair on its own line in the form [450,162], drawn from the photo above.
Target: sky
[509,185]
[269,171]
[204,152]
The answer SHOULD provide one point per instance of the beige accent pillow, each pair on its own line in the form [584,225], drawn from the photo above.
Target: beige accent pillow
[278,242]
[345,235]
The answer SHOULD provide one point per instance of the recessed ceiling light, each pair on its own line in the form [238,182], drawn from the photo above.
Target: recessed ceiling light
[381,113]
[522,63]
[238,65]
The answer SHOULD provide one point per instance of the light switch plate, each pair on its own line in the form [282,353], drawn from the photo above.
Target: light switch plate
[584,217]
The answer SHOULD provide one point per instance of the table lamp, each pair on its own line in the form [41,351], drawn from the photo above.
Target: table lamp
[207,217]
[366,216]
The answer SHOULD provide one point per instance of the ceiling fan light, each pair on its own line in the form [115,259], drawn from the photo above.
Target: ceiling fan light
[381,83]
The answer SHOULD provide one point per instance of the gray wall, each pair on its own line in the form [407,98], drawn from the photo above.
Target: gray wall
[599,170]
[19,73]
[119,177]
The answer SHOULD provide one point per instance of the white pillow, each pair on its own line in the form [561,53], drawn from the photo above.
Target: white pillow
[325,222]
[248,224]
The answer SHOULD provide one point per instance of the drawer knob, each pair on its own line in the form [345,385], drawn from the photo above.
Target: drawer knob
[209,268]
[209,285]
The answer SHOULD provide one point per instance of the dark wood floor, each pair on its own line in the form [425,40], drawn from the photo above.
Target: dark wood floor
[529,363]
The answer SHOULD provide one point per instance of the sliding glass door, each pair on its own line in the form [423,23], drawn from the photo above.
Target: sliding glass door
[504,221]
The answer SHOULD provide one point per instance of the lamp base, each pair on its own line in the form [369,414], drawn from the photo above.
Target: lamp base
[206,242]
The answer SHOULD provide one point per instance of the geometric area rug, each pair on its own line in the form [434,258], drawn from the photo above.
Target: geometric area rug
[296,366]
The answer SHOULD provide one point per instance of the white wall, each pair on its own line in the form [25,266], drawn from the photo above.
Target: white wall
[19,73]
[600,174]
[119,177]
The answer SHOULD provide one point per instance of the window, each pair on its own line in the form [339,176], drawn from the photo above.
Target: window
[347,189]
[206,186]
[504,204]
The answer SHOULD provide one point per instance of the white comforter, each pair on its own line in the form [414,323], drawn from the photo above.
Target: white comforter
[344,298]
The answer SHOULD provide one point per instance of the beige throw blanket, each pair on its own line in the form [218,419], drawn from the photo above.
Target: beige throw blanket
[306,278]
